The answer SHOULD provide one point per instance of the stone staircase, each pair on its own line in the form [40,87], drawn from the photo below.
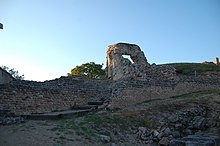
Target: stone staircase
[75,111]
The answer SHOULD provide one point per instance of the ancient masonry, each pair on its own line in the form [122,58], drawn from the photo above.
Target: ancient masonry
[128,83]
[217,61]
[5,77]
[119,67]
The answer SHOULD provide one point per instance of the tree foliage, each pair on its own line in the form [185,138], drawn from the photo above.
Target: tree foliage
[89,70]
[13,72]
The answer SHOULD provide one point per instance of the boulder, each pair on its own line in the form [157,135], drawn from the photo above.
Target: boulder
[105,138]
[164,141]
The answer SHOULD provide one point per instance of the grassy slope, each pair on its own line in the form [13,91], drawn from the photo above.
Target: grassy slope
[190,68]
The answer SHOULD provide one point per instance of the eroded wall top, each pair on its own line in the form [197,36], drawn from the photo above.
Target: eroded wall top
[119,67]
[5,77]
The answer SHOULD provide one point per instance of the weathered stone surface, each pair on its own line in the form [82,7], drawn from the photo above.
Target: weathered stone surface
[164,141]
[155,133]
[8,118]
[119,67]
[149,82]
[198,122]
[196,140]
[26,97]
[143,133]
[176,129]
[5,77]
[187,121]
[105,138]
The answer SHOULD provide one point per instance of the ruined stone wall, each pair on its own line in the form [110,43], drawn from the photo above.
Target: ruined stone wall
[26,97]
[139,81]
[119,67]
[131,92]
[128,83]
[5,77]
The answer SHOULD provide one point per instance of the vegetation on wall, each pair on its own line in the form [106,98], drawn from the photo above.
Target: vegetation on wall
[13,72]
[89,70]
[195,68]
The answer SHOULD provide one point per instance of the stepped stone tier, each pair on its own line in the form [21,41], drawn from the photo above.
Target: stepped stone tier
[119,67]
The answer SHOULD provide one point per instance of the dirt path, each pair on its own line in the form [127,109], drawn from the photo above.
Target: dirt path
[40,133]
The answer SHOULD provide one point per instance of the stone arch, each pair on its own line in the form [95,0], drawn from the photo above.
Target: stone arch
[128,57]
[119,67]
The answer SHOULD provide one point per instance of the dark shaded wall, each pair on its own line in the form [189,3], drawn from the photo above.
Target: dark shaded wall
[26,97]
[5,77]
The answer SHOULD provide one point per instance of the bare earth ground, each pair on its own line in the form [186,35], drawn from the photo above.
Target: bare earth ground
[40,133]
[117,127]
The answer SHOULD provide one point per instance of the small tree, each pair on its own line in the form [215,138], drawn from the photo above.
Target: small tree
[89,70]
[13,72]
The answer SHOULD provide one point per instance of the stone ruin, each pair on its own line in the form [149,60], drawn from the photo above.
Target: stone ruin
[119,67]
[217,61]
[5,77]
[31,99]
[128,83]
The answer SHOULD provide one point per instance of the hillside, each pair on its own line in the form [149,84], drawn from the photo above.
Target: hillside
[196,68]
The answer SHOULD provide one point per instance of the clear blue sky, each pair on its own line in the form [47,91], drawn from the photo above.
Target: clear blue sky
[45,39]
